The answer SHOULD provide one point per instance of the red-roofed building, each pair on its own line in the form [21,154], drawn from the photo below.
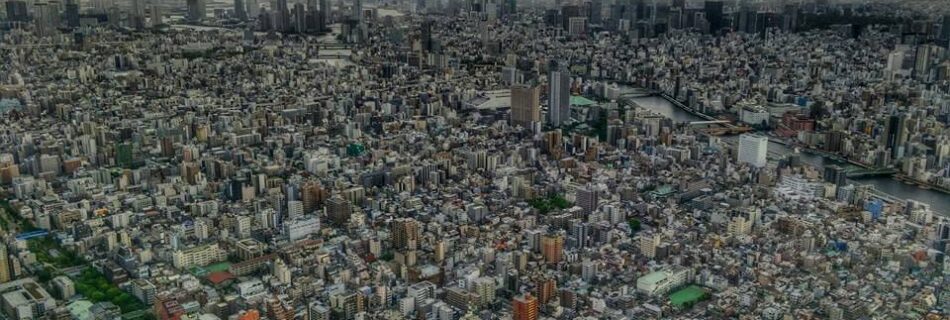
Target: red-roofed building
[167,308]
[220,277]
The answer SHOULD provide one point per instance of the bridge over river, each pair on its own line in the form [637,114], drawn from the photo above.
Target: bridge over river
[885,186]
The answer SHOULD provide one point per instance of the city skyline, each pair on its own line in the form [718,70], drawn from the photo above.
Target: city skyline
[448,160]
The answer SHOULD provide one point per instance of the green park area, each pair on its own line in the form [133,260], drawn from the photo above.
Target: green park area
[55,260]
[687,297]
[11,221]
[549,203]
[94,286]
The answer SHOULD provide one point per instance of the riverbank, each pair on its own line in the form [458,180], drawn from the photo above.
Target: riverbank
[894,189]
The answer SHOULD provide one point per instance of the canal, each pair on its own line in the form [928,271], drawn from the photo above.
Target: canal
[938,201]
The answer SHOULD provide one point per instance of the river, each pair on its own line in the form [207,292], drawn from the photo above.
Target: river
[938,201]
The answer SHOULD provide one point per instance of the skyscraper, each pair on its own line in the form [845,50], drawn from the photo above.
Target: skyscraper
[753,149]
[281,15]
[155,11]
[713,10]
[313,16]
[559,96]
[137,15]
[253,9]
[16,11]
[357,13]
[72,14]
[524,307]
[922,62]
[44,15]
[525,105]
[299,18]
[324,14]
[196,10]
[240,10]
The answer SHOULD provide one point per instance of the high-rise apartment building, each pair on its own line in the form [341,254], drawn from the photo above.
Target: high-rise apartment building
[524,307]
[559,96]
[525,105]
[753,149]
[405,233]
[587,198]
[552,248]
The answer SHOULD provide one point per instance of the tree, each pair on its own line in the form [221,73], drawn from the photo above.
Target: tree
[97,296]
[634,224]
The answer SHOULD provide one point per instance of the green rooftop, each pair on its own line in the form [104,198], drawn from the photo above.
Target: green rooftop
[652,277]
[662,191]
[581,101]
[687,296]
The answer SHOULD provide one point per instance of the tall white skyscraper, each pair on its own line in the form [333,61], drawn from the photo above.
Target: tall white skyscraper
[753,149]
[559,97]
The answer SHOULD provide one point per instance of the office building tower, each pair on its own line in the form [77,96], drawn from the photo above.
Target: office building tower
[44,14]
[137,15]
[922,62]
[596,12]
[357,13]
[17,11]
[425,31]
[72,14]
[313,16]
[253,9]
[577,26]
[714,16]
[552,248]
[559,96]
[324,14]
[525,307]
[753,149]
[155,11]
[587,198]
[240,10]
[299,15]
[405,234]
[525,105]
[281,15]
[196,10]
